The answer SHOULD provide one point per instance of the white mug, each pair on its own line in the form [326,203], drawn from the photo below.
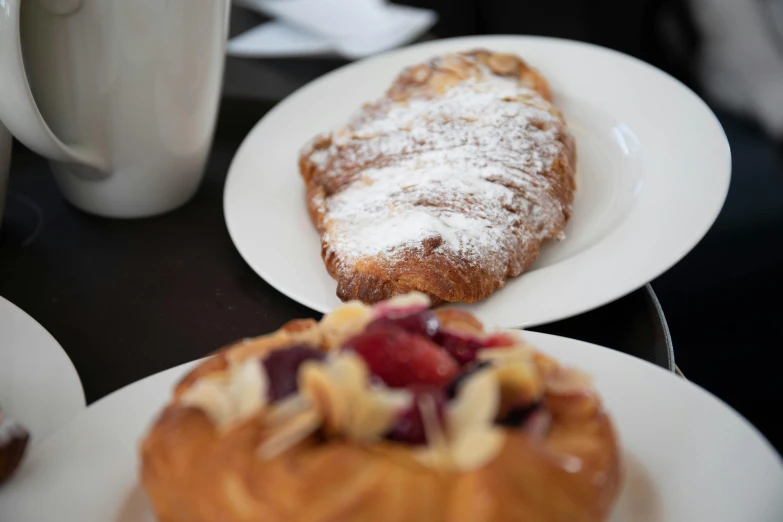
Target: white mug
[120,95]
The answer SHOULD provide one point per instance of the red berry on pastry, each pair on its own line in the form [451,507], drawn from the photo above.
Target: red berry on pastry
[282,368]
[423,323]
[401,359]
[409,426]
[461,346]
[13,443]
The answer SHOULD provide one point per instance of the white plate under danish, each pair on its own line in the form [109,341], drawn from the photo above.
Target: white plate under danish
[688,456]
[653,172]
[39,386]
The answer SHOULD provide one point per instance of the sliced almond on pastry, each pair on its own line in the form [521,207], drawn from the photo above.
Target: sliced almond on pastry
[567,381]
[248,385]
[475,448]
[208,395]
[436,437]
[506,355]
[503,64]
[230,397]
[323,394]
[475,405]
[282,411]
[290,434]
[420,73]
[402,304]
[374,412]
[344,322]
[473,440]
[339,389]
[519,383]
[457,65]
[437,453]
[459,321]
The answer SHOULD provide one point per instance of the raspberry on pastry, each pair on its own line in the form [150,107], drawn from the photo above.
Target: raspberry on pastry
[382,421]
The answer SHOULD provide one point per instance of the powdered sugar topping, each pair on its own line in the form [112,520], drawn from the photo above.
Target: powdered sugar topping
[388,211]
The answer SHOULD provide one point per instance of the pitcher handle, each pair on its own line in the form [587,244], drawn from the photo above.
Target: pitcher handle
[18,110]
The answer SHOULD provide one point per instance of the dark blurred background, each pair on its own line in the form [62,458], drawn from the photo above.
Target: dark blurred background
[722,300]
[661,32]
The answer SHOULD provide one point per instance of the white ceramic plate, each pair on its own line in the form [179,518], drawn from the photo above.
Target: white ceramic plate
[39,386]
[689,457]
[654,169]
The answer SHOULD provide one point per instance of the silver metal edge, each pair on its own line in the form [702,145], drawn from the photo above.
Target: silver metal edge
[666,334]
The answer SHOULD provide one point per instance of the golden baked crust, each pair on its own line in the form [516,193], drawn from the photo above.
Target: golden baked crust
[448,185]
[193,475]
[195,471]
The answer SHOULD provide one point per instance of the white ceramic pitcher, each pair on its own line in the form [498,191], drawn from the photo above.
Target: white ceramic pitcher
[120,95]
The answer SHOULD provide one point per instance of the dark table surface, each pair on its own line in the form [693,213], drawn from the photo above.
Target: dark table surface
[127,299]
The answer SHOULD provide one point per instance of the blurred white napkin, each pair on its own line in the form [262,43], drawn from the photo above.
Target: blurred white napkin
[350,28]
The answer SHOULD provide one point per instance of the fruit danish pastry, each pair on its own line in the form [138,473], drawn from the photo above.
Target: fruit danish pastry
[448,185]
[385,413]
